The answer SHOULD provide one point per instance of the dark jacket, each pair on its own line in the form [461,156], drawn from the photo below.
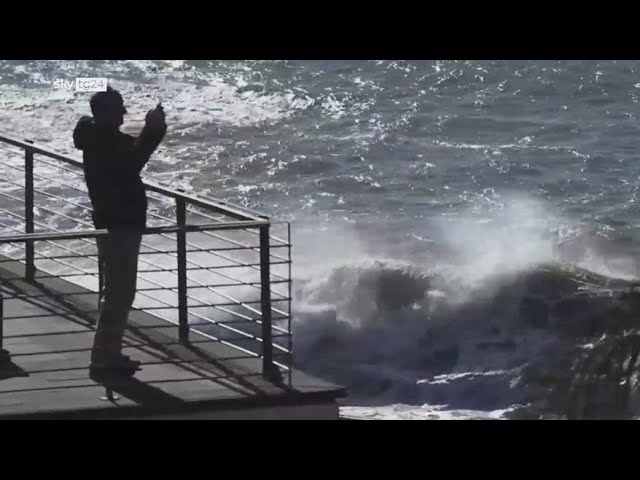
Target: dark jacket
[112,165]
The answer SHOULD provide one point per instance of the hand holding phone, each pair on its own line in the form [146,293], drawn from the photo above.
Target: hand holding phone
[156,118]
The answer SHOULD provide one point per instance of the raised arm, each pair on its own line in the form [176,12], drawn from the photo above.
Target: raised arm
[147,142]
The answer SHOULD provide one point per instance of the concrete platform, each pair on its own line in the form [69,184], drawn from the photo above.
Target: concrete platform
[49,339]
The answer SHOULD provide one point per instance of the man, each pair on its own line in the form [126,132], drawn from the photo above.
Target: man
[112,165]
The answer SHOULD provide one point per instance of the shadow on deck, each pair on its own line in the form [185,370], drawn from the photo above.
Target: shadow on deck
[49,339]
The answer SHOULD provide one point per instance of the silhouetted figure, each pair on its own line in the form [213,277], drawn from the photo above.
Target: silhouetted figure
[112,165]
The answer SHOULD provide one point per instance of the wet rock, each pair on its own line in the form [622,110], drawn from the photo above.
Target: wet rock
[493,330]
[534,312]
[572,305]
[507,345]
[599,380]
[440,359]
[587,315]
[390,288]
[571,316]
[550,283]
[630,299]
[395,289]
[446,357]
[613,320]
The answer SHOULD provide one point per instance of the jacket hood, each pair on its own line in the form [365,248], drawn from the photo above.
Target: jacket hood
[84,133]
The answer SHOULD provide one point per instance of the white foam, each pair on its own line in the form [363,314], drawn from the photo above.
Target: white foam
[424,412]
[333,107]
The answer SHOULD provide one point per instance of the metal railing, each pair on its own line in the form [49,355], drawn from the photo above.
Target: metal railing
[224,254]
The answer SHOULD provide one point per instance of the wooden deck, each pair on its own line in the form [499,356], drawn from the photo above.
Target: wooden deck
[50,350]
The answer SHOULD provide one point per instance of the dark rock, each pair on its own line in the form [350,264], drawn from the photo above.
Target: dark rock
[589,316]
[440,360]
[571,316]
[367,385]
[550,282]
[534,312]
[432,338]
[493,330]
[447,357]
[573,305]
[394,289]
[596,381]
[507,345]
[630,299]
[612,320]
[397,290]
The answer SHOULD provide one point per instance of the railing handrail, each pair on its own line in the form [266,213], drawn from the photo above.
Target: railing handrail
[220,206]
[77,234]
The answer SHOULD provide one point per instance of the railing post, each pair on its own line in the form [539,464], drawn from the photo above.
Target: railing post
[4,355]
[183,312]
[269,370]
[30,272]
[100,277]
